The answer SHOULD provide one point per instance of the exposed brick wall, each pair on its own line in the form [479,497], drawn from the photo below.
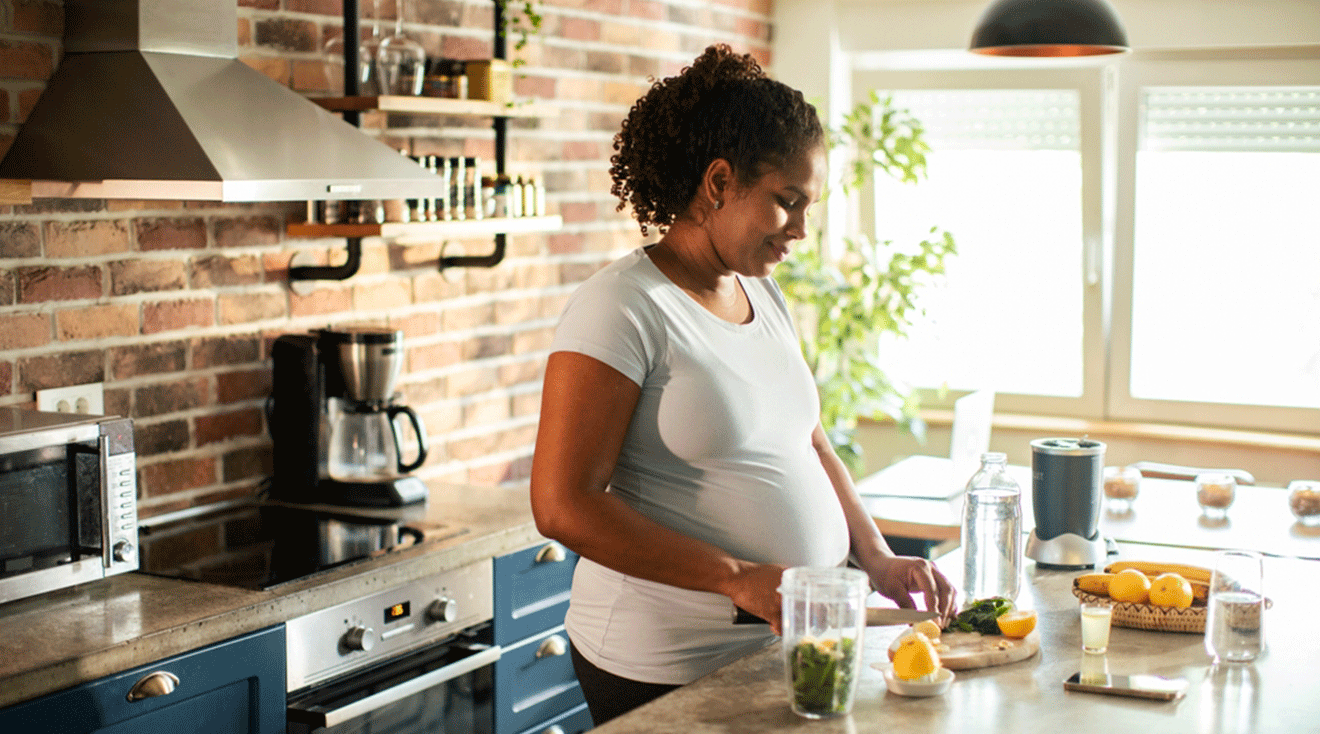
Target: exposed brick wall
[174,304]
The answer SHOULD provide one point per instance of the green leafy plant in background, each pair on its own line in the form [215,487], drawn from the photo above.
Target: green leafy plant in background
[521,17]
[845,301]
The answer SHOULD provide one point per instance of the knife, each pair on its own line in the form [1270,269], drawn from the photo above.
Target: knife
[875,616]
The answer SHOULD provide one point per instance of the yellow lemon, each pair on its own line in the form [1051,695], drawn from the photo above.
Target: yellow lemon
[1171,590]
[916,657]
[1130,585]
[1017,623]
[929,629]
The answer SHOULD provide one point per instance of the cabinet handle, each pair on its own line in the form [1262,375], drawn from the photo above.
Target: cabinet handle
[556,729]
[551,553]
[552,647]
[159,683]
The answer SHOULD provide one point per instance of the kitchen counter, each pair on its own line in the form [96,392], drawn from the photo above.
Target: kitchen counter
[750,695]
[63,638]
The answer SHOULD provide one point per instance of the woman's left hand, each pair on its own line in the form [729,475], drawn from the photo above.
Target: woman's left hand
[899,577]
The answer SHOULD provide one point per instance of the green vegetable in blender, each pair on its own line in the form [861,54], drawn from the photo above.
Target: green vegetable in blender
[822,673]
[981,616]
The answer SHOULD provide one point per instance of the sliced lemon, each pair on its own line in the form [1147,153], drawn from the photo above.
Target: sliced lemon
[915,657]
[929,629]
[1017,623]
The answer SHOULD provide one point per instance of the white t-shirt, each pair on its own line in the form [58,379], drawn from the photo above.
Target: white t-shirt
[719,449]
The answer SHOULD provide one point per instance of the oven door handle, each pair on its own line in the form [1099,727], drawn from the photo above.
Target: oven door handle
[326,718]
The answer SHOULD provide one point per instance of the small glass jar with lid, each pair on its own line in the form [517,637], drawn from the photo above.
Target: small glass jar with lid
[1121,486]
[1215,492]
[1304,501]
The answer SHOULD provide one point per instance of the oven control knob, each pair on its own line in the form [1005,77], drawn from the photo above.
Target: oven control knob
[442,610]
[360,638]
[123,551]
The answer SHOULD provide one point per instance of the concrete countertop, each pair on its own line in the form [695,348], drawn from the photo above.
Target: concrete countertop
[1274,693]
[63,638]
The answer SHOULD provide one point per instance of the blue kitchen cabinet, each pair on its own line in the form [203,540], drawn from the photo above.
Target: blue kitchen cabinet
[536,691]
[232,687]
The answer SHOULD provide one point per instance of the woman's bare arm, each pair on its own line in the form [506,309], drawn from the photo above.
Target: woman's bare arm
[896,577]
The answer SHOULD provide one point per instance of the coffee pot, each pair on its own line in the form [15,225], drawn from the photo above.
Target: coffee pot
[1067,476]
[335,422]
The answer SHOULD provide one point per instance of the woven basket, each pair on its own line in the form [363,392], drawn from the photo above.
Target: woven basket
[1149,616]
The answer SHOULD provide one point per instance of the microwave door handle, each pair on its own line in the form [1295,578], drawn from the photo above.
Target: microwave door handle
[107,511]
[326,719]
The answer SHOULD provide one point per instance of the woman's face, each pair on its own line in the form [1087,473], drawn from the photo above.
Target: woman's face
[756,225]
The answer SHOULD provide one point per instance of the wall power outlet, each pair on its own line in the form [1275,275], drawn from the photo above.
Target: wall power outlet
[88,399]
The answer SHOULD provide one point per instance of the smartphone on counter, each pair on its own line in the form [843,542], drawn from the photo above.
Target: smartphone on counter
[1139,686]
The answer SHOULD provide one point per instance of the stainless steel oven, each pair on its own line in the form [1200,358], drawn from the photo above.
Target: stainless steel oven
[414,658]
[68,500]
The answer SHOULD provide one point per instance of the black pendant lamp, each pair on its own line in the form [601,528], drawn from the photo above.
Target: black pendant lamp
[1049,28]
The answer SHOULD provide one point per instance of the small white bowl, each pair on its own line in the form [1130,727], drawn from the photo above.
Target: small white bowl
[919,689]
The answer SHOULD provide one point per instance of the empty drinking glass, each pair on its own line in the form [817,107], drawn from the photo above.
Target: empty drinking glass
[368,48]
[401,61]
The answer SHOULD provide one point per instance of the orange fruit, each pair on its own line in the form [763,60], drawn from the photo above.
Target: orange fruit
[1171,590]
[1017,623]
[929,629]
[1130,585]
[915,657]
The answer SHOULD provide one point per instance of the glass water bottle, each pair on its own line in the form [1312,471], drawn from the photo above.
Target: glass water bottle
[991,532]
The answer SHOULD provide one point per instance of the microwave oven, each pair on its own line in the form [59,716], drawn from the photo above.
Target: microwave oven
[68,500]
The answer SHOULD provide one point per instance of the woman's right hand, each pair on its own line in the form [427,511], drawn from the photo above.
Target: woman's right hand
[755,589]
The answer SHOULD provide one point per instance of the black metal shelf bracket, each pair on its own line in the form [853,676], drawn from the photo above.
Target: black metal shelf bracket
[352,88]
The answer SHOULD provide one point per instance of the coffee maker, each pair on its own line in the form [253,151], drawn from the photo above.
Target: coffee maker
[1067,476]
[332,418]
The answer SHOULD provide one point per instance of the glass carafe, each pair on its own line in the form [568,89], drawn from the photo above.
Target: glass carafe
[991,532]
[365,443]
[401,61]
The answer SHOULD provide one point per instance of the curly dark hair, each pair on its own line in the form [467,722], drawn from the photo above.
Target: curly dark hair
[722,106]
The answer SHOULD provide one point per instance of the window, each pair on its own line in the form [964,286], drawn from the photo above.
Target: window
[1013,163]
[1137,241]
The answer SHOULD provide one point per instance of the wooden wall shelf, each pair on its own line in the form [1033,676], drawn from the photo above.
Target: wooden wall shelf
[435,106]
[454,229]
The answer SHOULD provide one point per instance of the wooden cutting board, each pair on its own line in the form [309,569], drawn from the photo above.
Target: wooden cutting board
[972,650]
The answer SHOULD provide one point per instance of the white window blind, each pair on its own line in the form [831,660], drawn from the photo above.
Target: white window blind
[998,119]
[1208,119]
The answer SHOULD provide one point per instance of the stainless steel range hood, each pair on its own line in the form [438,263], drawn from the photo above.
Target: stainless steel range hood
[151,102]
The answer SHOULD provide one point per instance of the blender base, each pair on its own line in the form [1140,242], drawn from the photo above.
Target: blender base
[1067,551]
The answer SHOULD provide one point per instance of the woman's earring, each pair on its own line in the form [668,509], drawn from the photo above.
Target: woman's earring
[719,204]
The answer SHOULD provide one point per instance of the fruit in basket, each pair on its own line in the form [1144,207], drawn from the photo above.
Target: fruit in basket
[916,657]
[1171,590]
[1130,585]
[1095,583]
[1018,623]
[1155,568]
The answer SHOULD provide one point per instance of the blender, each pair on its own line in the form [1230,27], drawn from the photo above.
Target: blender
[335,422]
[1067,475]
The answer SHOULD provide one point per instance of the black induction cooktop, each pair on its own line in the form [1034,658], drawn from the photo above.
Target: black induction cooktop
[274,543]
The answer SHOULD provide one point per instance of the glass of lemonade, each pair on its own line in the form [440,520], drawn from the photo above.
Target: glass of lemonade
[1096,617]
[1234,626]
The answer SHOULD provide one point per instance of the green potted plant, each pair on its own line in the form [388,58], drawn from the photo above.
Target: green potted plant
[844,301]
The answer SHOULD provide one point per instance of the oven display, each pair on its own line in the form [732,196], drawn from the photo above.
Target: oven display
[398,611]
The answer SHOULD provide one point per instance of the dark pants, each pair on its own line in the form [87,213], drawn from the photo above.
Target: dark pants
[609,695]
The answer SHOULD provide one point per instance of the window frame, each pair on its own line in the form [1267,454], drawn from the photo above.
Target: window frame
[1093,84]
[1284,66]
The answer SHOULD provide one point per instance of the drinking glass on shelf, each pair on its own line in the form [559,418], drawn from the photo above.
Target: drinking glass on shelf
[368,49]
[401,61]
[1236,610]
